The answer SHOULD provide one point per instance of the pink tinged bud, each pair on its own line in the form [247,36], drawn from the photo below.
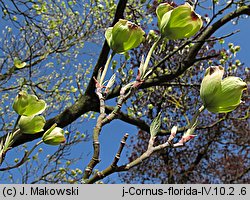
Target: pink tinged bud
[180,22]
[174,130]
[54,136]
[173,133]
[124,36]
[187,138]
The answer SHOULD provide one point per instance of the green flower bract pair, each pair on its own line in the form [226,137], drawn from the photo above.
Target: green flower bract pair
[221,95]
[27,104]
[124,36]
[178,23]
[174,23]
[29,107]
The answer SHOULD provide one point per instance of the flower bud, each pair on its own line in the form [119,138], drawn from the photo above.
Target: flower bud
[27,105]
[54,136]
[178,23]
[124,36]
[31,124]
[211,83]
[237,48]
[152,35]
[230,96]
[221,96]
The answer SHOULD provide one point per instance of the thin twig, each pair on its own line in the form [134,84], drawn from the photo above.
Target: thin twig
[24,159]
[113,167]
[96,132]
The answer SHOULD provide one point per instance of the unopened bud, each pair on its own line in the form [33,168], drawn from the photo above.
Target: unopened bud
[124,36]
[54,136]
[221,96]
[178,23]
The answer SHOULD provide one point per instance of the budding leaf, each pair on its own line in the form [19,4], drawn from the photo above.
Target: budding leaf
[19,64]
[111,82]
[155,125]
[99,75]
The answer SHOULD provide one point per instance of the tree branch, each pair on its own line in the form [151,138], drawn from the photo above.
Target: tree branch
[97,130]
[141,124]
[113,167]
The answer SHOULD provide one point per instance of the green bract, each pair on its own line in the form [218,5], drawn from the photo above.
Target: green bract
[161,10]
[221,96]
[27,105]
[54,136]
[124,36]
[31,124]
[178,23]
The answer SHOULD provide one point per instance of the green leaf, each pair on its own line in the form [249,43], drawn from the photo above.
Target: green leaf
[31,124]
[19,64]
[155,125]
